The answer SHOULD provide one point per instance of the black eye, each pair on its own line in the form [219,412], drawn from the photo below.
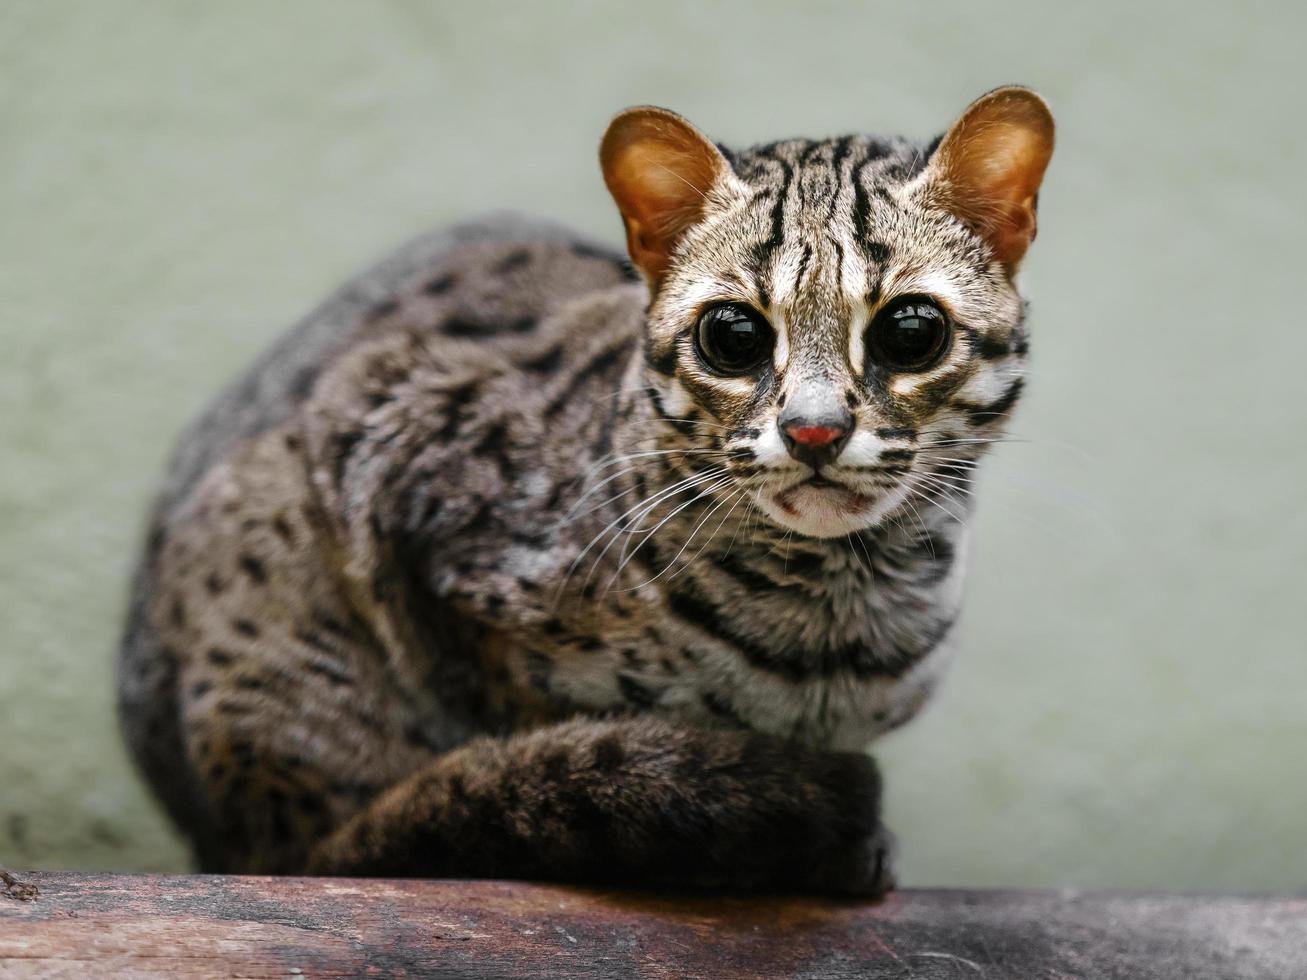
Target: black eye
[734,338]
[910,334]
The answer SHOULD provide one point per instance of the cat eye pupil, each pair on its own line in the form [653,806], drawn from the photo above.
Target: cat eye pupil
[910,335]
[734,338]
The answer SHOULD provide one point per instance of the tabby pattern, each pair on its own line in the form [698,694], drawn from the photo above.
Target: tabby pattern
[484,570]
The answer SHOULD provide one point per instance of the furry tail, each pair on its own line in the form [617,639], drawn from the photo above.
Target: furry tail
[635,801]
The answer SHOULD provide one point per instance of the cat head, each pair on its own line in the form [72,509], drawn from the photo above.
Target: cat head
[835,323]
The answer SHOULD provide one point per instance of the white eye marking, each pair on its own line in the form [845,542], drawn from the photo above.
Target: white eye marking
[906,384]
[784,277]
[857,337]
[930,282]
[781,352]
[853,274]
[679,403]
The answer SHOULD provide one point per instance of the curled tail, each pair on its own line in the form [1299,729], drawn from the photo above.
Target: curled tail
[635,801]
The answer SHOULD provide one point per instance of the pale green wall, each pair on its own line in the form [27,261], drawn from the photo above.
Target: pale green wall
[180,180]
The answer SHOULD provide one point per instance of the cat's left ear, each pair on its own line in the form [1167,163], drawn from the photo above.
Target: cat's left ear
[662,173]
[988,168]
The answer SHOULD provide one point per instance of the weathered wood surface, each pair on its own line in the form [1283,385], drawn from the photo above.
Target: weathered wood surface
[180,926]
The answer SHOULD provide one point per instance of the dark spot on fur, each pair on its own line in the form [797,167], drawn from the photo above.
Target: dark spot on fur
[331,672]
[513,261]
[440,285]
[220,658]
[556,766]
[609,754]
[463,327]
[539,669]
[719,707]
[455,400]
[244,627]
[522,324]
[635,692]
[302,384]
[546,361]
[330,623]
[254,568]
[382,310]
[342,445]
[281,527]
[312,639]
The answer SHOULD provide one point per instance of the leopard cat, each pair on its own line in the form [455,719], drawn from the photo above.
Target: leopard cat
[520,559]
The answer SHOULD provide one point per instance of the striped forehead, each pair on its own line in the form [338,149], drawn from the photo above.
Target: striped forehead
[817,276]
[834,246]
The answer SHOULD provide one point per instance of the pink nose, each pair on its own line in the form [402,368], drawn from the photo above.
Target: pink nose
[814,435]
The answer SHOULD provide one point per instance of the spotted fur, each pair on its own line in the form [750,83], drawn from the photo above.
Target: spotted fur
[481,571]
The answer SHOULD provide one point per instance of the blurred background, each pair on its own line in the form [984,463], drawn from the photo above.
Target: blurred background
[180,181]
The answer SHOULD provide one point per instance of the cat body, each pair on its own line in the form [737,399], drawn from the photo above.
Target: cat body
[510,561]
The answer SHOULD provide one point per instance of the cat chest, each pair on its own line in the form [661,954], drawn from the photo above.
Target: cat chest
[658,662]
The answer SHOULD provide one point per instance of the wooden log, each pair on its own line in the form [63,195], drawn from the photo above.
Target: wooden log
[198,926]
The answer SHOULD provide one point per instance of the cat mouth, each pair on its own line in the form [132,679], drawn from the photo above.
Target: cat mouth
[822,491]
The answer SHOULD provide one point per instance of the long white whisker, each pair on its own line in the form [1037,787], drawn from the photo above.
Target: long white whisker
[626,559]
[657,498]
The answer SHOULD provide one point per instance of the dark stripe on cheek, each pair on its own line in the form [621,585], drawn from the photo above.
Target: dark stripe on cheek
[906,433]
[978,415]
[664,362]
[987,347]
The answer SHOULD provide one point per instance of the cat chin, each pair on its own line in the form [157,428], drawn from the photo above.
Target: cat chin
[825,513]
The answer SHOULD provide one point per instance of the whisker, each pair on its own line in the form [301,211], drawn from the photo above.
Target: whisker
[652,502]
[626,559]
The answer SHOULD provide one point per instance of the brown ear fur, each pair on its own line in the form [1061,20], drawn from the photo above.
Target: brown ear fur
[988,168]
[659,169]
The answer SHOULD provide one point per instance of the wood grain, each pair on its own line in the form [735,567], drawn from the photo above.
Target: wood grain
[195,926]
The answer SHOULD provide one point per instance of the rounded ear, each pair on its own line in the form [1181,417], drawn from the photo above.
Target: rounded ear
[660,170]
[989,165]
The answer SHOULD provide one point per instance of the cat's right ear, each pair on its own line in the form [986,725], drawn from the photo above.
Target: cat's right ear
[988,168]
[661,172]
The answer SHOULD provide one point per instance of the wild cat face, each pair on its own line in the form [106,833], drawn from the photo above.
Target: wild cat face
[835,322]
